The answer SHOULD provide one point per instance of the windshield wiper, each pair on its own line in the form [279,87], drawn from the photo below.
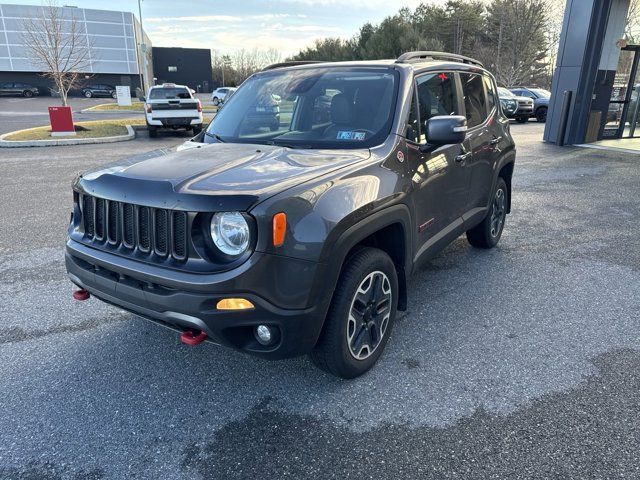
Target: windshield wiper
[214,136]
[286,145]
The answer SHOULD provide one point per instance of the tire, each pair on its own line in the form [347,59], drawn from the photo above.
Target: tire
[153,131]
[522,119]
[348,347]
[215,101]
[541,114]
[487,234]
[88,94]
[27,94]
[196,129]
[114,94]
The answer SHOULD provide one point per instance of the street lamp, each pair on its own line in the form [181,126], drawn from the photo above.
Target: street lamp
[142,49]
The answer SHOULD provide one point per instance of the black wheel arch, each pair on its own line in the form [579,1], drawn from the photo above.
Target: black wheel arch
[389,230]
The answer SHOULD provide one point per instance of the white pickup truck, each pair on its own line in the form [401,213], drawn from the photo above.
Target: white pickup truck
[172,106]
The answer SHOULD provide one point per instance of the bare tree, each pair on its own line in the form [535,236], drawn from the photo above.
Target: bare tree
[57,46]
[632,28]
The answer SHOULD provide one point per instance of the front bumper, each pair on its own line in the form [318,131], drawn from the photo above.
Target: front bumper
[186,301]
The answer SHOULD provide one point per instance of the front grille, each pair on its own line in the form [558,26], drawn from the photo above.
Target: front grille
[135,228]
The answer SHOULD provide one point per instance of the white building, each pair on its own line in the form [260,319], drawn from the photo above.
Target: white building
[114,39]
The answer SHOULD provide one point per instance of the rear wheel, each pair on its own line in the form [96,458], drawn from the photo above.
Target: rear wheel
[541,114]
[88,94]
[27,94]
[114,94]
[153,131]
[488,232]
[215,101]
[196,129]
[361,315]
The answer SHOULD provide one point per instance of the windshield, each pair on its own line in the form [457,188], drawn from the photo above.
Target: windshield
[166,93]
[503,92]
[541,92]
[310,108]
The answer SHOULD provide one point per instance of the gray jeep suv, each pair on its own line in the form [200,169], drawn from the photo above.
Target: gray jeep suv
[299,239]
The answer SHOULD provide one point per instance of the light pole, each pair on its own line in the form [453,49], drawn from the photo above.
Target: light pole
[142,49]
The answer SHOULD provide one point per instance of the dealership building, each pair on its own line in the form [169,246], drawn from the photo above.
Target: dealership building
[120,51]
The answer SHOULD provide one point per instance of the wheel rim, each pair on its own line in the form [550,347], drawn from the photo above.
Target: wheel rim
[498,212]
[369,315]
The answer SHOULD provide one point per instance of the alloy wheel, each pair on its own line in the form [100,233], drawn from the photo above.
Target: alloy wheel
[498,212]
[369,315]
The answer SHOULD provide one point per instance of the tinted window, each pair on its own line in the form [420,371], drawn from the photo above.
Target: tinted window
[524,93]
[436,96]
[313,107]
[475,103]
[491,93]
[166,93]
[541,93]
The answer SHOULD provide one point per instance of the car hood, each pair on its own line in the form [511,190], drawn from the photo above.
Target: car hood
[219,177]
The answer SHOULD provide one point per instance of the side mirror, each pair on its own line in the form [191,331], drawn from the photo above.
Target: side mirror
[446,129]
[143,99]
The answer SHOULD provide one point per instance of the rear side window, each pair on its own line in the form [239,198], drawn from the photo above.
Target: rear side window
[169,93]
[491,93]
[475,102]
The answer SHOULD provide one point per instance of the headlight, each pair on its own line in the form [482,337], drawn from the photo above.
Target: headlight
[230,233]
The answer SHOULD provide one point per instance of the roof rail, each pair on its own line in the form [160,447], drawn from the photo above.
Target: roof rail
[411,56]
[292,63]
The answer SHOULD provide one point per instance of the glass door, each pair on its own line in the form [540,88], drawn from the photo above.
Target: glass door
[623,113]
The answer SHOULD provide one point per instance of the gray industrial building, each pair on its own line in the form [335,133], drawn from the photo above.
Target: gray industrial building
[115,38]
[596,84]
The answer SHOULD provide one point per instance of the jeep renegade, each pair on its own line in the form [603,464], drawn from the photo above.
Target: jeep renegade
[300,238]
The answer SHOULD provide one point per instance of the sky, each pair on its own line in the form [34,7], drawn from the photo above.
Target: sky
[226,26]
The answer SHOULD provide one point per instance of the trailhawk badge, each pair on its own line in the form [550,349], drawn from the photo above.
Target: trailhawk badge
[400,156]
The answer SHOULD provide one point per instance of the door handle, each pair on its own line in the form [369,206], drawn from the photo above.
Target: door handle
[495,141]
[463,157]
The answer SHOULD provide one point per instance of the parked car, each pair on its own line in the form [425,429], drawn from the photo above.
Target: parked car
[172,106]
[19,89]
[99,90]
[508,102]
[540,98]
[220,95]
[525,105]
[300,240]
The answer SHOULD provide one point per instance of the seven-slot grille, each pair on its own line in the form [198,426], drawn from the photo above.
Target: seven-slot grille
[146,229]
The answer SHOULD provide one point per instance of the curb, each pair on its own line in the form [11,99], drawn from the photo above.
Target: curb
[115,110]
[65,141]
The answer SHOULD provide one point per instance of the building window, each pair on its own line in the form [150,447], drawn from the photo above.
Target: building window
[172,69]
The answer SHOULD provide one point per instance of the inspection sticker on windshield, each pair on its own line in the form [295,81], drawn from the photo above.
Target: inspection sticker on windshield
[347,135]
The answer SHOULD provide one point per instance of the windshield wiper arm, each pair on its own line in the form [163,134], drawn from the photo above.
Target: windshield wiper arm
[214,136]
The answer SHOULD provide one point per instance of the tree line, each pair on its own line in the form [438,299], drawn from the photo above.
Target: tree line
[512,38]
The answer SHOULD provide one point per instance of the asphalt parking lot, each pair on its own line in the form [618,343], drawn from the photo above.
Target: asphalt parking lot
[17,113]
[520,362]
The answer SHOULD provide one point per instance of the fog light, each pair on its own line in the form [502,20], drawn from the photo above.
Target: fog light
[234,304]
[264,334]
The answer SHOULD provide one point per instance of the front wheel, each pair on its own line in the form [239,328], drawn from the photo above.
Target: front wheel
[541,114]
[215,101]
[488,232]
[27,94]
[88,94]
[114,94]
[361,315]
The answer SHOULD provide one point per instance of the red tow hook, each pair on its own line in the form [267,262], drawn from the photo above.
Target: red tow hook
[192,338]
[81,294]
